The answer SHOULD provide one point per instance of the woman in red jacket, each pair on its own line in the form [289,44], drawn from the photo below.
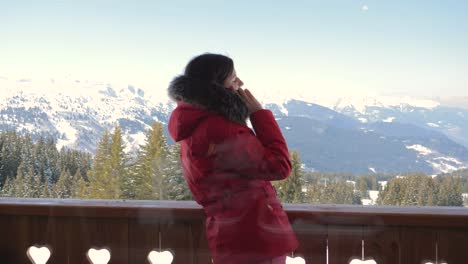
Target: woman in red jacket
[228,167]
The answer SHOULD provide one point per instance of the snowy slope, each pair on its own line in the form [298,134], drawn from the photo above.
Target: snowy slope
[76,112]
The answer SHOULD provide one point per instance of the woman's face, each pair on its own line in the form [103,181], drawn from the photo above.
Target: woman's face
[233,82]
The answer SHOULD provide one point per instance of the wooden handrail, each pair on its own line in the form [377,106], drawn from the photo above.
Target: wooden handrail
[186,210]
[131,229]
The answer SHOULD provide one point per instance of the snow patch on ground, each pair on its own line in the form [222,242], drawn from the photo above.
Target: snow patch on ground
[283,109]
[421,149]
[432,125]
[134,141]
[68,132]
[449,159]
[439,162]
[443,167]
[389,119]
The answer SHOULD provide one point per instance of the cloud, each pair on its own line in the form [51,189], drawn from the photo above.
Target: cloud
[364,8]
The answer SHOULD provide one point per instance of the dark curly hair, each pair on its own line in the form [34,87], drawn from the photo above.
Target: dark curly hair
[210,67]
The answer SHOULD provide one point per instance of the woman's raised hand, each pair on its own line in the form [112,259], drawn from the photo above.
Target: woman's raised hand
[252,103]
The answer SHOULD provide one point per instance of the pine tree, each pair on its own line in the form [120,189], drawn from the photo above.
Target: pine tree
[27,156]
[328,189]
[427,192]
[421,190]
[118,163]
[450,192]
[342,192]
[290,190]
[100,181]
[85,163]
[38,185]
[27,184]
[32,168]
[177,188]
[129,183]
[81,188]
[3,154]
[64,186]
[411,193]
[393,192]
[50,159]
[151,168]
[8,189]
[46,192]
[18,184]
[318,189]
[362,186]
[73,160]
[39,158]
[109,172]
[313,190]
[10,157]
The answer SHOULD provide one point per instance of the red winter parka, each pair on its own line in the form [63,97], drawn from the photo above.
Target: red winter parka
[228,169]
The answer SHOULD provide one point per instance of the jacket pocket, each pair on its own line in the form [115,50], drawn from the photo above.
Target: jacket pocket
[271,217]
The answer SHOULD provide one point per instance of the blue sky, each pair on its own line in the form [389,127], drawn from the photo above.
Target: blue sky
[417,48]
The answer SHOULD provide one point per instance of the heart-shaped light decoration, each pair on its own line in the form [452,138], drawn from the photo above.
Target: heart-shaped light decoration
[358,261]
[296,260]
[164,257]
[101,256]
[38,255]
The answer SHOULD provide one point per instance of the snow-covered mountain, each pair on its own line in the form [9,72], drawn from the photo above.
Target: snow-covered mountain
[430,114]
[350,134]
[330,140]
[76,112]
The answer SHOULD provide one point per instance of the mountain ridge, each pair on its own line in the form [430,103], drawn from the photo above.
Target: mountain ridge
[355,139]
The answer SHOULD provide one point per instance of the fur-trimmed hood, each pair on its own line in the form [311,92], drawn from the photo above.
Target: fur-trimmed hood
[210,96]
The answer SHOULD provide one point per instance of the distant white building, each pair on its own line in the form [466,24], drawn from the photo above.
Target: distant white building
[373,195]
[383,184]
[352,182]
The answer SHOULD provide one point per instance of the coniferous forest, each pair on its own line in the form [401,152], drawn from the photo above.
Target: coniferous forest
[37,169]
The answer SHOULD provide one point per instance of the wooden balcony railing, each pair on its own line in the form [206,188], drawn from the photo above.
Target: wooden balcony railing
[132,229]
